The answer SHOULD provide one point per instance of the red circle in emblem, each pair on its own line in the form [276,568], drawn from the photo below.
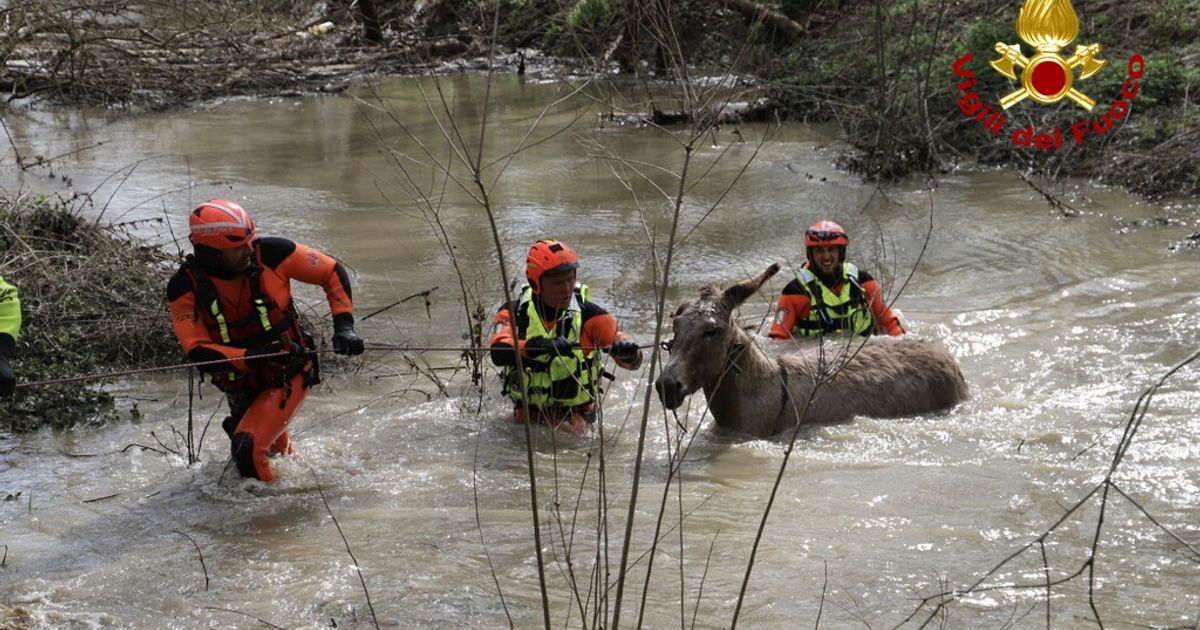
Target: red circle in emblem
[1049,78]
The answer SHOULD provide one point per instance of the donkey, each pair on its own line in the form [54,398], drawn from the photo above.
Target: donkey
[749,392]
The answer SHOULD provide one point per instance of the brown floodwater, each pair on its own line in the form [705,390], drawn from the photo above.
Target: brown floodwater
[1059,322]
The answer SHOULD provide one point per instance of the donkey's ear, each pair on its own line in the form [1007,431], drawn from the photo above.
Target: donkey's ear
[736,294]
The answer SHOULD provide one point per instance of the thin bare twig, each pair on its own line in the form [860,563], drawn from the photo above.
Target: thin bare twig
[1100,490]
[238,612]
[199,554]
[357,567]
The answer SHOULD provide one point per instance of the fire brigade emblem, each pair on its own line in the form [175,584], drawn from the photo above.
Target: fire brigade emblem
[1047,77]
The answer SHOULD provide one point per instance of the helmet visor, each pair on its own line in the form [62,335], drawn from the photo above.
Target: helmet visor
[824,236]
[563,268]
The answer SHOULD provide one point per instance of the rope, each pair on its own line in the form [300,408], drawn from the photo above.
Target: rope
[282,353]
[384,346]
[163,368]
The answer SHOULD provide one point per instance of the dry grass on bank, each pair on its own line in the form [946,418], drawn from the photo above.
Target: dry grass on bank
[158,55]
[883,73]
[92,300]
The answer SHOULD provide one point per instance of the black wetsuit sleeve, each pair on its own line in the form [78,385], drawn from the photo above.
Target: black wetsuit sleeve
[794,288]
[274,250]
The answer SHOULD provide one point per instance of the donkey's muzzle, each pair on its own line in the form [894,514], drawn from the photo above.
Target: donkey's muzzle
[671,391]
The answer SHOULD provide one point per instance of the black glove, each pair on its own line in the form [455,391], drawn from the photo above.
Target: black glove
[542,345]
[345,340]
[274,347]
[8,380]
[624,349]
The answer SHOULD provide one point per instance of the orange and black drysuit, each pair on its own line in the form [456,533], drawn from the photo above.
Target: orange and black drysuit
[854,304]
[223,318]
[557,386]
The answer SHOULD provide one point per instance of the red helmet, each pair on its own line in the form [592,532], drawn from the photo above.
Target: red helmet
[825,233]
[548,256]
[220,224]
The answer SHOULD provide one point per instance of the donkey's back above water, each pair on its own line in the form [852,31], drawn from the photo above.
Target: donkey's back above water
[749,392]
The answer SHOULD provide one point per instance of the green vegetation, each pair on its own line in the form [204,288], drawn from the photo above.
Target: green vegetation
[92,299]
[882,71]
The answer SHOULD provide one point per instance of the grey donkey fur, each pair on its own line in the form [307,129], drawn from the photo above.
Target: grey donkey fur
[747,391]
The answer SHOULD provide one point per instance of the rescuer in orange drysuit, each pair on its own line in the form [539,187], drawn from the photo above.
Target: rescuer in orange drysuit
[831,295]
[232,299]
[559,332]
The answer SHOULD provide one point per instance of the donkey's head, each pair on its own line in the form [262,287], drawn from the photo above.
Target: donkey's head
[705,332]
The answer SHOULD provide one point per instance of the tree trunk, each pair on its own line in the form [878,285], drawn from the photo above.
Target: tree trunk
[372,29]
[756,12]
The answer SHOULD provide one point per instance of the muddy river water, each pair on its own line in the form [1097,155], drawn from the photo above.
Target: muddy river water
[1059,323]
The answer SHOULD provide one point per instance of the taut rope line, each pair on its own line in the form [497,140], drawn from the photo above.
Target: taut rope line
[282,353]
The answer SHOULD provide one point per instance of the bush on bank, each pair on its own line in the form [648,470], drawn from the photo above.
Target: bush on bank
[879,70]
[883,73]
[92,300]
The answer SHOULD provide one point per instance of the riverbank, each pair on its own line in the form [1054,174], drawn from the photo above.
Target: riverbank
[154,57]
[911,86]
[91,300]
[885,74]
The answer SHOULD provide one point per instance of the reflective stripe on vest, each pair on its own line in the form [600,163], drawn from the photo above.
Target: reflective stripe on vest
[554,381]
[223,325]
[259,318]
[830,312]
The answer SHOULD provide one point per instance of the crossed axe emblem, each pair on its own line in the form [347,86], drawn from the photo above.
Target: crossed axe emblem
[1047,76]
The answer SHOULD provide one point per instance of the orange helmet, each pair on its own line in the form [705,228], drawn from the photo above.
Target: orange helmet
[825,233]
[548,256]
[220,224]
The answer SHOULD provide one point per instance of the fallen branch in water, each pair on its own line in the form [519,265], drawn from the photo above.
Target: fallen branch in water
[424,294]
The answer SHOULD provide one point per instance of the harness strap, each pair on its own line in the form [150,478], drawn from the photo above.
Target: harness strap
[817,296]
[262,304]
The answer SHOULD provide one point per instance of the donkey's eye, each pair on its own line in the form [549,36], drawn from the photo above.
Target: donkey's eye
[712,332]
